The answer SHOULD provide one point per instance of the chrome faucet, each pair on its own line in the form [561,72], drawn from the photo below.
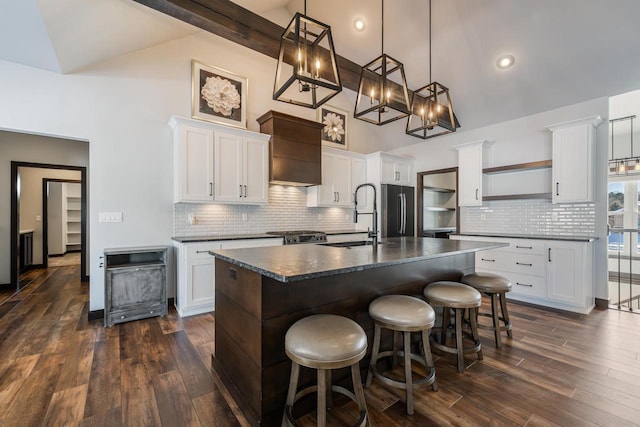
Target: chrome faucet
[373,234]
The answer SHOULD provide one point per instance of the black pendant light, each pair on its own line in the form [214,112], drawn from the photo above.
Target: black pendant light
[307,71]
[382,94]
[431,110]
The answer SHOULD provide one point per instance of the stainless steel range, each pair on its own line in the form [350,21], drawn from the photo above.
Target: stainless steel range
[296,237]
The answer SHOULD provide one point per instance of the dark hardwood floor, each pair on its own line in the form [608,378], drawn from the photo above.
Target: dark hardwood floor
[57,368]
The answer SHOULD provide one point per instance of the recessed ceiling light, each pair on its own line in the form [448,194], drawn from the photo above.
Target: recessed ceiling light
[358,24]
[505,61]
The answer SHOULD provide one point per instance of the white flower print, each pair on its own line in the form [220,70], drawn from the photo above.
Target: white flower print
[221,95]
[333,126]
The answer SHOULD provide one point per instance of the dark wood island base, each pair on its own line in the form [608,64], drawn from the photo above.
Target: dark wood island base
[254,311]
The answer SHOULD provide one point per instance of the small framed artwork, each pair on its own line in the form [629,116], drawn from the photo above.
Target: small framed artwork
[218,95]
[334,132]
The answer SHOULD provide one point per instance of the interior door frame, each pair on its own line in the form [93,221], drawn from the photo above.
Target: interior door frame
[420,198]
[45,217]
[15,220]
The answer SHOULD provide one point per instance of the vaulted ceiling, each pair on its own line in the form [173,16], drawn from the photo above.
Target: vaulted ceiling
[565,51]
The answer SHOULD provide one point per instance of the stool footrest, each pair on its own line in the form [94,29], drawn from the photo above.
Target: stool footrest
[362,420]
[423,382]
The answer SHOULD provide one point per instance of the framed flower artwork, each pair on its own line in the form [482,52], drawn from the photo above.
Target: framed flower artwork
[334,132]
[218,95]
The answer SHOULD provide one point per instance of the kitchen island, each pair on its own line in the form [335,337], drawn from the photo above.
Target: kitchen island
[261,292]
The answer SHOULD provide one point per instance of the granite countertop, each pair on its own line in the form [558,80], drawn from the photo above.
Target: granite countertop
[210,238]
[529,236]
[300,262]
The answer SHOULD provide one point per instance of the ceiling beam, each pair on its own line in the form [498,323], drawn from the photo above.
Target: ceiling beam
[230,21]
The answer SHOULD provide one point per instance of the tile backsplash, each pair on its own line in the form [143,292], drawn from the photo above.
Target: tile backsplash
[534,217]
[287,210]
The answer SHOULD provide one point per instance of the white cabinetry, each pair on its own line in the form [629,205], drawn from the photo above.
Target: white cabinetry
[196,272]
[342,171]
[241,169]
[574,160]
[470,161]
[215,163]
[396,170]
[553,273]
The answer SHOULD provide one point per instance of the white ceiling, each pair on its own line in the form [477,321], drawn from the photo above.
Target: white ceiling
[566,51]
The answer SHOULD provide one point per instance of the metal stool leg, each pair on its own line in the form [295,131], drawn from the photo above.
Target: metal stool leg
[407,372]
[445,324]
[505,314]
[426,348]
[459,348]
[496,319]
[357,389]
[474,331]
[291,394]
[374,353]
[322,398]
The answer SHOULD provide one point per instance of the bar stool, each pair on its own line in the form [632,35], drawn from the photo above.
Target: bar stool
[325,342]
[496,287]
[402,313]
[457,297]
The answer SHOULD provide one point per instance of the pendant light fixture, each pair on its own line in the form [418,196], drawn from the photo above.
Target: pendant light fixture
[382,93]
[307,71]
[431,110]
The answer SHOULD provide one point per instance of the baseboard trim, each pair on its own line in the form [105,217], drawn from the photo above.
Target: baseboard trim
[96,314]
[602,303]
[7,287]
[171,302]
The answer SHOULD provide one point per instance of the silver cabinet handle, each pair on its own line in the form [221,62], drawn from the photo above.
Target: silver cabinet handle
[338,193]
[211,188]
[525,264]
[549,255]
[488,260]
[524,284]
[202,252]
[245,191]
[151,311]
[476,194]
[524,247]
[240,191]
[557,188]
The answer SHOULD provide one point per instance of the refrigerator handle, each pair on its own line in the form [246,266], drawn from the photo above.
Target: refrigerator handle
[399,223]
[404,214]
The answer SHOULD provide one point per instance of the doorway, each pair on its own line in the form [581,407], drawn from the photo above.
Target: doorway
[437,199]
[61,215]
[18,191]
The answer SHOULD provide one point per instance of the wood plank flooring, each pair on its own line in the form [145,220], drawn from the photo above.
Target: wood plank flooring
[57,368]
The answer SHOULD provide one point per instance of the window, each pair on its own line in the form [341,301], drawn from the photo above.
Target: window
[623,214]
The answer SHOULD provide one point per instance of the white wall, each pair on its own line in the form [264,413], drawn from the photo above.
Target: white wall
[524,140]
[31,201]
[33,149]
[55,239]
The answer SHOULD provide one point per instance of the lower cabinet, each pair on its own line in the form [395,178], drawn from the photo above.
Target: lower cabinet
[196,272]
[135,284]
[553,273]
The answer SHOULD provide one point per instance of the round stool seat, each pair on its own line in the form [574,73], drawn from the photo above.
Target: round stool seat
[402,311]
[487,282]
[453,295]
[325,341]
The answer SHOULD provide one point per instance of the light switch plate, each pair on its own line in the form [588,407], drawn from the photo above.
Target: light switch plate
[110,217]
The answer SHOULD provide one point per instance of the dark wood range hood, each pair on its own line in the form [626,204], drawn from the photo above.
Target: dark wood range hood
[295,149]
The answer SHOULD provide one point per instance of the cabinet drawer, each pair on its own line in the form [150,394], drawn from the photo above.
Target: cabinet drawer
[522,284]
[201,250]
[120,316]
[512,262]
[527,246]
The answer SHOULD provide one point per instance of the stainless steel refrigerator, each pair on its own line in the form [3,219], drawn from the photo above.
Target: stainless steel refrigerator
[397,210]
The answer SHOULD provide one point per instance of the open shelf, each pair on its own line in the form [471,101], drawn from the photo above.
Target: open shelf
[439,189]
[521,167]
[518,196]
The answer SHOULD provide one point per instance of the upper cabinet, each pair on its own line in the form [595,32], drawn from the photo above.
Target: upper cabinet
[574,160]
[342,171]
[470,173]
[214,163]
[396,170]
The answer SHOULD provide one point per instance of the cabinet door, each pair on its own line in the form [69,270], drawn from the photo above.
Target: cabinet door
[565,275]
[255,171]
[342,180]
[200,284]
[359,176]
[404,171]
[228,168]
[327,191]
[388,172]
[132,287]
[573,164]
[470,175]
[194,177]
